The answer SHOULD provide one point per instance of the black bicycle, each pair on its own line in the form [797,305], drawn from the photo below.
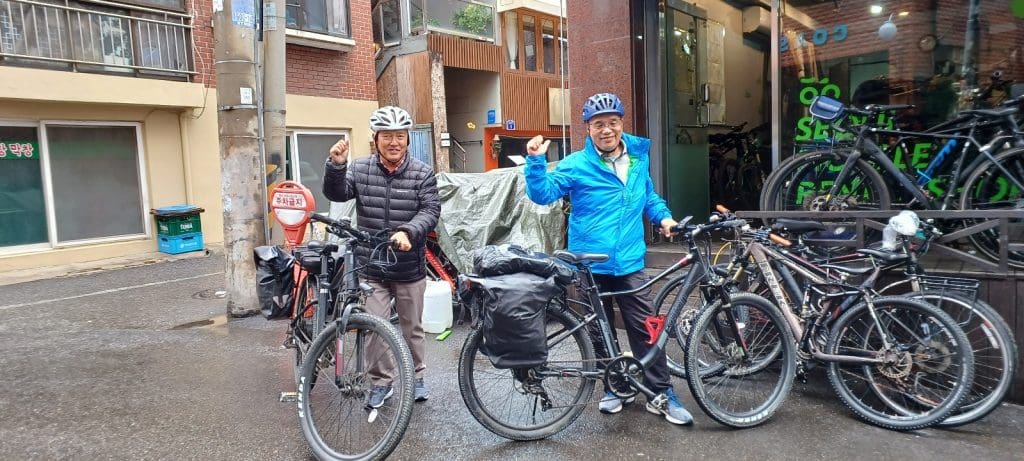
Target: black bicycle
[355,355]
[537,402]
[979,170]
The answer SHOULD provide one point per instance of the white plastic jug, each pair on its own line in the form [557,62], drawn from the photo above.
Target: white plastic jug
[437,307]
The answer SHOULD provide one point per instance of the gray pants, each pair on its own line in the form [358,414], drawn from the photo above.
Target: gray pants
[409,304]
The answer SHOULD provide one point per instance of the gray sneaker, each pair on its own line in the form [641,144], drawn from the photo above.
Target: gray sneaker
[378,395]
[611,404]
[668,404]
[421,392]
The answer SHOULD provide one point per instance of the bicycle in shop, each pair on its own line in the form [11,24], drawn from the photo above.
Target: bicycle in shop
[538,402]
[990,337]
[897,362]
[343,351]
[981,164]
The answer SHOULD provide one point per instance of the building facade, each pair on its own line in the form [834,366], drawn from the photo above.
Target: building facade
[108,110]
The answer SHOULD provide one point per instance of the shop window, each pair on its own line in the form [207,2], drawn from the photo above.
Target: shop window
[92,183]
[329,17]
[307,151]
[95,181]
[22,209]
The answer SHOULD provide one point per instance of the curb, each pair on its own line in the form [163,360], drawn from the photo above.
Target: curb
[101,265]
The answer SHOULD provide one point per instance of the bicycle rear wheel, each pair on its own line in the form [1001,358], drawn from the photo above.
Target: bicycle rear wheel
[803,184]
[989,188]
[995,353]
[511,402]
[757,359]
[335,384]
[928,365]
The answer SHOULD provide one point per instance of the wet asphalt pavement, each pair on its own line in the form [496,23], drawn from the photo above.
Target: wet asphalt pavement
[127,364]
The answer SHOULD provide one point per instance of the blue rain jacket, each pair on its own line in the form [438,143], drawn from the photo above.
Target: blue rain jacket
[607,216]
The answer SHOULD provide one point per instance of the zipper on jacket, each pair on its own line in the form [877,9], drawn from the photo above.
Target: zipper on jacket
[387,203]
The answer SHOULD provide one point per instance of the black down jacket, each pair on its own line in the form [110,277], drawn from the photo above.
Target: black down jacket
[406,200]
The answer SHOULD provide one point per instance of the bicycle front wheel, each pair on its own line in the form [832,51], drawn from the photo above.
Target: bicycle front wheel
[803,183]
[337,378]
[757,359]
[533,403]
[925,367]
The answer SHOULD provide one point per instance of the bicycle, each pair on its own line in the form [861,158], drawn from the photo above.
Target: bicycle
[847,179]
[537,402]
[352,354]
[991,339]
[896,362]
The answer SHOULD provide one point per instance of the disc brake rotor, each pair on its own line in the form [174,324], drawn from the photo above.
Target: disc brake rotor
[935,357]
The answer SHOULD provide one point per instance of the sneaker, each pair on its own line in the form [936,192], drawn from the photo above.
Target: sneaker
[667,403]
[611,404]
[379,394]
[421,392]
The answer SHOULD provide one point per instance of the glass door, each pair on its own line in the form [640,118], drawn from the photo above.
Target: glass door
[686,111]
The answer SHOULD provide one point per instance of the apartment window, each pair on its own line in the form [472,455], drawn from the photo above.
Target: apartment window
[329,17]
[529,43]
[534,43]
[70,182]
[307,151]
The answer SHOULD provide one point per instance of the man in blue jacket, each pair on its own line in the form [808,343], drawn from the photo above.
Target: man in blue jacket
[610,187]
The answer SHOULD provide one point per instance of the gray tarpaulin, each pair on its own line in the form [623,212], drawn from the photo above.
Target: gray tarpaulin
[479,209]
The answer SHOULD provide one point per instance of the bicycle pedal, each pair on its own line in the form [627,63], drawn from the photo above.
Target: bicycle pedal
[289,397]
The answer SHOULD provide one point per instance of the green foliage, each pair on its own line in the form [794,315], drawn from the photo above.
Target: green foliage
[475,19]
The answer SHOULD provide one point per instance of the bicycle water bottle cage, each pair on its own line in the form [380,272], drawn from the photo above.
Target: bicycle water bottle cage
[654,326]
[826,108]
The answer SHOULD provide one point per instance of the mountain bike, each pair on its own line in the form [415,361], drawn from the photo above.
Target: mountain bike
[990,337]
[981,162]
[355,352]
[895,361]
[537,402]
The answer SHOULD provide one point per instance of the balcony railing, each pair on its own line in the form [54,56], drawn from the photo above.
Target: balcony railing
[95,36]
[465,18]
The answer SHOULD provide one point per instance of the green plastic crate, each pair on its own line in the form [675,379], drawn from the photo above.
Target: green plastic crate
[178,220]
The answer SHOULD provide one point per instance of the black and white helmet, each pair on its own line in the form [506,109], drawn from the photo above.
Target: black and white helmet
[390,118]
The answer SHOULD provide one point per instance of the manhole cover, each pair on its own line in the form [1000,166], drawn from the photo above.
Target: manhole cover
[210,294]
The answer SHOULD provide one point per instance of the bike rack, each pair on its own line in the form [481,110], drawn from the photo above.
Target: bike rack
[986,219]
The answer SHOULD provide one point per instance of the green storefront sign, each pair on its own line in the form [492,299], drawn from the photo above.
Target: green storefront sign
[17,150]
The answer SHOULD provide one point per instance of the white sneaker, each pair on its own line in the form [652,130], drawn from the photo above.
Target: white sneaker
[611,404]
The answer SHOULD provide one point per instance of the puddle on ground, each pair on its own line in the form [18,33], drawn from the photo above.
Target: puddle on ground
[210,322]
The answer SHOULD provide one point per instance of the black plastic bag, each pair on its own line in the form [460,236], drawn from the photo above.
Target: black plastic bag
[510,259]
[512,317]
[274,282]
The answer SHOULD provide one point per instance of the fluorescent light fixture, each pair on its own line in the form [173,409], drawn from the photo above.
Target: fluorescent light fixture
[875,9]
[904,13]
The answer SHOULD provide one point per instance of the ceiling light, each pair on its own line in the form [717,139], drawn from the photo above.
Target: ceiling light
[904,13]
[875,9]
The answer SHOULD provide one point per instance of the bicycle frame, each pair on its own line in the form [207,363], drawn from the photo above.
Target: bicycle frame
[864,146]
[763,256]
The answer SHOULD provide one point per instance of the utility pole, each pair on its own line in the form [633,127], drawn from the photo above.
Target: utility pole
[274,95]
[242,171]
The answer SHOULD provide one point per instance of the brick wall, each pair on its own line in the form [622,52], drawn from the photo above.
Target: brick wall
[310,71]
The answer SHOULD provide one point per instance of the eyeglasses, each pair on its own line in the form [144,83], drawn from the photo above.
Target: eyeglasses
[391,137]
[600,126]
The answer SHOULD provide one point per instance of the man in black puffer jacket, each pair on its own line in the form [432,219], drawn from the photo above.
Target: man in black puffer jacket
[398,193]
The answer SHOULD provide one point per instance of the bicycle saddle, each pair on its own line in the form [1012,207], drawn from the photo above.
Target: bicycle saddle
[1000,112]
[887,256]
[798,226]
[580,258]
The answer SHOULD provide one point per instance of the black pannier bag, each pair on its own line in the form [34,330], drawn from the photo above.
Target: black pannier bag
[511,313]
[274,283]
[510,259]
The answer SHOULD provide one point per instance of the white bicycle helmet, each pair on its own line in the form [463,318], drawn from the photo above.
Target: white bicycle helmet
[390,118]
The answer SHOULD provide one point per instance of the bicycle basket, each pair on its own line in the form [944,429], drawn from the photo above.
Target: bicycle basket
[952,285]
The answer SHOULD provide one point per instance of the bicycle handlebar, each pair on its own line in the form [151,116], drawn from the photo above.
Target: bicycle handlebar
[342,227]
